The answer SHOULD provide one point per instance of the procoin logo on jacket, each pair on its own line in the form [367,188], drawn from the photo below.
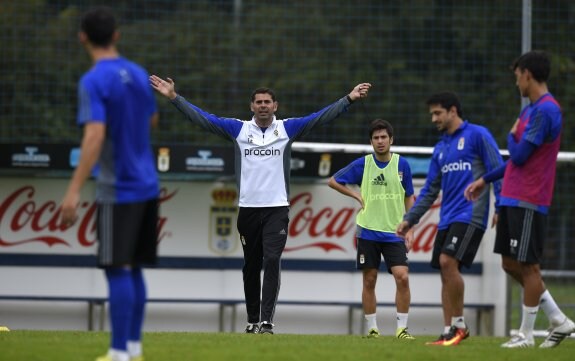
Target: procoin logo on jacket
[262,152]
[456,167]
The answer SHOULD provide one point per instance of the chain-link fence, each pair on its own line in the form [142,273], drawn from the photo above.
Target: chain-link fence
[311,52]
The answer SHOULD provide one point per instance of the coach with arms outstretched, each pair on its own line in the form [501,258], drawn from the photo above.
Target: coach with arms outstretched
[262,148]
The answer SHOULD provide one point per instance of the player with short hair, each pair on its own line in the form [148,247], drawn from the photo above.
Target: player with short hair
[386,193]
[262,148]
[116,107]
[528,181]
[464,152]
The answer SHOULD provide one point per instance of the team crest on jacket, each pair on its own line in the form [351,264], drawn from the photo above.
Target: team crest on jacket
[461,143]
[223,237]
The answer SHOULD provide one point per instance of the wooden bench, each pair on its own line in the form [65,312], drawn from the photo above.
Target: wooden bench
[96,309]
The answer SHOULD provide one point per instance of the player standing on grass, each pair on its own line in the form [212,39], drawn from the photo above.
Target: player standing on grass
[116,106]
[528,181]
[464,152]
[262,159]
[386,193]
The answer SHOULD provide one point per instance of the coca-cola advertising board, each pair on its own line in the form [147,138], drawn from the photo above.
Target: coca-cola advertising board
[197,221]
[199,246]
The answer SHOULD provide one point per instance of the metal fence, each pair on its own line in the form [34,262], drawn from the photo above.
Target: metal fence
[311,52]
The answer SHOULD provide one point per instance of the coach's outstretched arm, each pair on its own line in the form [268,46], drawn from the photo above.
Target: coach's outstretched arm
[167,88]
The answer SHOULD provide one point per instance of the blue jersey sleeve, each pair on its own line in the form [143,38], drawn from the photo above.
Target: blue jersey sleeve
[226,127]
[428,193]
[406,178]
[495,174]
[91,102]
[352,173]
[519,152]
[298,127]
[490,156]
[537,129]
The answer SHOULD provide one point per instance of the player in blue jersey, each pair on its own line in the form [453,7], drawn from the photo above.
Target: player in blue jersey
[262,149]
[528,181]
[116,109]
[386,193]
[464,152]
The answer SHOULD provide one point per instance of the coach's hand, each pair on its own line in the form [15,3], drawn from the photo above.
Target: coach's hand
[360,91]
[165,87]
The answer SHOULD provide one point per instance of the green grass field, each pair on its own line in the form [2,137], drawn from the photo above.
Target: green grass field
[184,346]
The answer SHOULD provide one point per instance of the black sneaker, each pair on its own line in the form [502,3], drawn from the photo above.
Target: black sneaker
[267,327]
[252,328]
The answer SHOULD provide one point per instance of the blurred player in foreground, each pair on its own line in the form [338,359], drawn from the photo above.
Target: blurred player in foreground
[116,107]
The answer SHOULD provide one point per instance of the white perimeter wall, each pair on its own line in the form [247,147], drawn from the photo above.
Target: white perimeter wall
[322,229]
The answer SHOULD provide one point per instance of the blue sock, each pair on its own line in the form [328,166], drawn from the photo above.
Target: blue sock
[121,300]
[139,304]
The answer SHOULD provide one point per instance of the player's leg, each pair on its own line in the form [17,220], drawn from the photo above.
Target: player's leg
[146,254]
[395,256]
[250,231]
[118,231]
[453,289]
[437,247]
[368,260]
[512,242]
[459,249]
[274,237]
[530,250]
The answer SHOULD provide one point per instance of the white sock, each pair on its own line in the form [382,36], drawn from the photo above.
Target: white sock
[528,317]
[550,308]
[402,320]
[135,348]
[458,321]
[446,329]
[118,355]
[371,321]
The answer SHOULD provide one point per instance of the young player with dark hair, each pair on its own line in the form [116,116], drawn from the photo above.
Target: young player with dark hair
[528,181]
[116,109]
[386,193]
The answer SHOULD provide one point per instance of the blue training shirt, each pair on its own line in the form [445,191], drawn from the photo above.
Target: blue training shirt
[117,92]
[353,174]
[458,159]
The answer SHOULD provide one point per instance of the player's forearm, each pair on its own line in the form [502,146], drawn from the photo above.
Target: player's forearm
[341,188]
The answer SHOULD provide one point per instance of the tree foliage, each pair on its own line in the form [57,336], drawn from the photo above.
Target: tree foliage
[311,52]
